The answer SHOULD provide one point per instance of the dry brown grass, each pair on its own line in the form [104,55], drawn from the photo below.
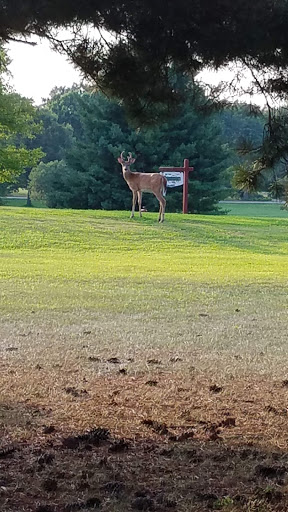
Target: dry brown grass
[203,428]
[191,442]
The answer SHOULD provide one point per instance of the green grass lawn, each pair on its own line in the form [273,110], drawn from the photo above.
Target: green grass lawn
[19,202]
[240,208]
[149,282]
[81,246]
[255,209]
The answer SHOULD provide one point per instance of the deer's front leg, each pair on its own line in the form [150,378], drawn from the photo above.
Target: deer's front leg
[139,194]
[133,203]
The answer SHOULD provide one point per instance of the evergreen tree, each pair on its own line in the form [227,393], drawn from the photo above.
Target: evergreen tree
[130,51]
[242,129]
[92,162]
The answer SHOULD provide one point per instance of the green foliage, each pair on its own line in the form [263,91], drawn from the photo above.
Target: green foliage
[260,140]
[134,50]
[50,142]
[242,127]
[101,131]
[55,138]
[224,503]
[263,154]
[14,159]
[278,188]
[19,203]
[275,143]
[246,177]
[17,116]
[147,37]
[53,182]
[63,103]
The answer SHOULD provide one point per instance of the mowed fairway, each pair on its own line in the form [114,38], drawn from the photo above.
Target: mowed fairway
[173,337]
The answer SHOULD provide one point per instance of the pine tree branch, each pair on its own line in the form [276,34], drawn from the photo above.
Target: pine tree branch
[15,40]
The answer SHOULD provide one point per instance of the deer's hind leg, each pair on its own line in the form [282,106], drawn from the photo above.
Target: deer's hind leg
[163,206]
[160,212]
[162,202]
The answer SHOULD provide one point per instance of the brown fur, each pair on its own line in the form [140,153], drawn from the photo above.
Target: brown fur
[140,182]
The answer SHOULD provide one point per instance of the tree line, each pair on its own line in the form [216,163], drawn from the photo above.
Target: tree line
[128,49]
[74,139]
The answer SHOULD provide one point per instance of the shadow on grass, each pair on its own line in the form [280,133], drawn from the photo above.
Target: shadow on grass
[92,470]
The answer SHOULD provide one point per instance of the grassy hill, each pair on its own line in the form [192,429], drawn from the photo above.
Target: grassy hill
[89,262]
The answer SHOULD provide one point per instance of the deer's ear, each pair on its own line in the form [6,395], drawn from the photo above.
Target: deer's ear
[132,160]
[120,160]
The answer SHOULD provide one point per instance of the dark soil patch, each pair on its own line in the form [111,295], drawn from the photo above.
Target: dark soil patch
[193,476]
[175,446]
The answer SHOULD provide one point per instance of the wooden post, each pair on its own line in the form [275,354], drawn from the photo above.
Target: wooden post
[185,169]
[185,185]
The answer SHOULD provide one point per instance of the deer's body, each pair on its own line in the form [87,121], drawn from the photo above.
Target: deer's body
[139,182]
[144,182]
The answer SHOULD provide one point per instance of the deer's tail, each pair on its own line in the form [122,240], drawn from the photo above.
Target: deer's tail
[164,186]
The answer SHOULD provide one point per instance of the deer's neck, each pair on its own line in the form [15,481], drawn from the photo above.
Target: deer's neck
[127,174]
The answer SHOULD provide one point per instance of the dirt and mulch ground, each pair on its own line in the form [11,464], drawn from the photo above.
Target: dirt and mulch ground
[162,442]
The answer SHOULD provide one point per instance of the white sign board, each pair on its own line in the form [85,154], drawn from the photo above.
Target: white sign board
[174,179]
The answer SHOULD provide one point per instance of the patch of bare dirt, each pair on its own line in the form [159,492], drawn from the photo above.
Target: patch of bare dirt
[79,441]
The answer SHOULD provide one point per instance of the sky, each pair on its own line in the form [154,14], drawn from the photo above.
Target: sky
[35,70]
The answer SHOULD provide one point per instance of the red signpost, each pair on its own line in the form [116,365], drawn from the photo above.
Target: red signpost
[185,169]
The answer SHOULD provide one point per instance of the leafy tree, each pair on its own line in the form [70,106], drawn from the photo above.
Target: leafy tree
[17,116]
[56,183]
[54,138]
[63,102]
[270,160]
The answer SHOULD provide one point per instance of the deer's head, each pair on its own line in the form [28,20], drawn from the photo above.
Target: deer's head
[126,163]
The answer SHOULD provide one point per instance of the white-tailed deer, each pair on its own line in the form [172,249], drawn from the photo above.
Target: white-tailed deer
[140,182]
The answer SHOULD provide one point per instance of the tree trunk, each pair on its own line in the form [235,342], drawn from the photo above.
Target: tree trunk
[28,202]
